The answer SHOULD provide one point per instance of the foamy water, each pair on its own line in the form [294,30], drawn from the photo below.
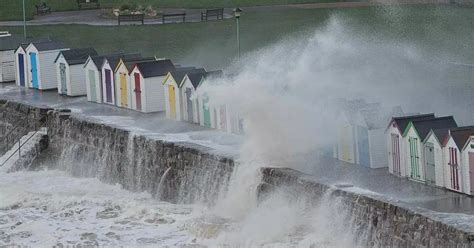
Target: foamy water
[46,208]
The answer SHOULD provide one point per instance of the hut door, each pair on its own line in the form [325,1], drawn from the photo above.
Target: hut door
[363,145]
[189,104]
[396,154]
[138,91]
[471,171]
[172,101]
[34,71]
[108,86]
[92,85]
[123,90]
[415,173]
[21,67]
[223,119]
[62,73]
[207,113]
[430,163]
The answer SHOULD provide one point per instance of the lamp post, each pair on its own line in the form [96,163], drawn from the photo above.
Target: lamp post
[24,19]
[237,12]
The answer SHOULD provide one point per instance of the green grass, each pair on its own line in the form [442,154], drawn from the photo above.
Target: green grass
[440,31]
[13,10]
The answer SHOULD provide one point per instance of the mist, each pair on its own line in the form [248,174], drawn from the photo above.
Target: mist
[288,95]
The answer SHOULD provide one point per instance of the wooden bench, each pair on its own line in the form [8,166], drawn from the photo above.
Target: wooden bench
[86,3]
[131,18]
[164,16]
[42,9]
[218,13]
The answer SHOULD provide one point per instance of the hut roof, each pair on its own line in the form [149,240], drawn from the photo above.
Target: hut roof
[77,56]
[423,127]
[48,45]
[441,133]
[180,73]
[98,60]
[130,63]
[155,68]
[402,122]
[461,135]
[114,60]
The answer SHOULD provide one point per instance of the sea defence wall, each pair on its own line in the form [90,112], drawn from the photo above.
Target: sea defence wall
[380,222]
[187,173]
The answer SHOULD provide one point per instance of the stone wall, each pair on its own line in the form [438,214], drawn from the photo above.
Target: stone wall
[114,155]
[382,223]
[16,120]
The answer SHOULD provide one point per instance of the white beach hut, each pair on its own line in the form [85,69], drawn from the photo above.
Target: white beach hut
[147,85]
[21,67]
[93,76]
[464,137]
[71,79]
[8,46]
[433,154]
[188,86]
[452,162]
[40,59]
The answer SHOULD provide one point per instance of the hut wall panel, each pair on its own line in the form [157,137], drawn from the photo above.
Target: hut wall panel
[48,69]
[17,68]
[466,172]
[7,66]
[154,94]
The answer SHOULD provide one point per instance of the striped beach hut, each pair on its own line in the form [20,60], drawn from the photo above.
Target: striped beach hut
[395,145]
[108,79]
[40,59]
[123,83]
[174,105]
[413,136]
[147,85]
[71,79]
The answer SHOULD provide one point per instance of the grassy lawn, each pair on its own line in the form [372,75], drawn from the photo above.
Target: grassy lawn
[441,31]
[13,10]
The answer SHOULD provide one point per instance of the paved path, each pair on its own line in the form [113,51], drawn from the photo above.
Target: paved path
[93,17]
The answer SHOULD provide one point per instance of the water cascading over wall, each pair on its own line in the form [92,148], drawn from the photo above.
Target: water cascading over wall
[114,155]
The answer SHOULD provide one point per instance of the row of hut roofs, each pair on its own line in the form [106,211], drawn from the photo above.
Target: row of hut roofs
[145,84]
[421,147]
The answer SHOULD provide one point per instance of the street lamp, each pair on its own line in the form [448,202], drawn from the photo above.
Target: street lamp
[237,12]
[24,20]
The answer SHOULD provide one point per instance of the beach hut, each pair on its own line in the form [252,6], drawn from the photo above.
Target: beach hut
[433,154]
[413,136]
[464,138]
[123,83]
[108,80]
[371,144]
[8,45]
[147,85]
[207,112]
[21,66]
[40,59]
[70,71]
[174,105]
[452,147]
[395,144]
[188,86]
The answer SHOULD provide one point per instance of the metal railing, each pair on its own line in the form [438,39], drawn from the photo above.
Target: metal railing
[36,125]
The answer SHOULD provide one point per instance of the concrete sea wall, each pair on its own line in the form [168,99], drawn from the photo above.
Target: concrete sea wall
[382,223]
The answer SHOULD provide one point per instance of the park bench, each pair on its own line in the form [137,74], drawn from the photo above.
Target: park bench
[42,9]
[131,18]
[86,3]
[164,16]
[218,13]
